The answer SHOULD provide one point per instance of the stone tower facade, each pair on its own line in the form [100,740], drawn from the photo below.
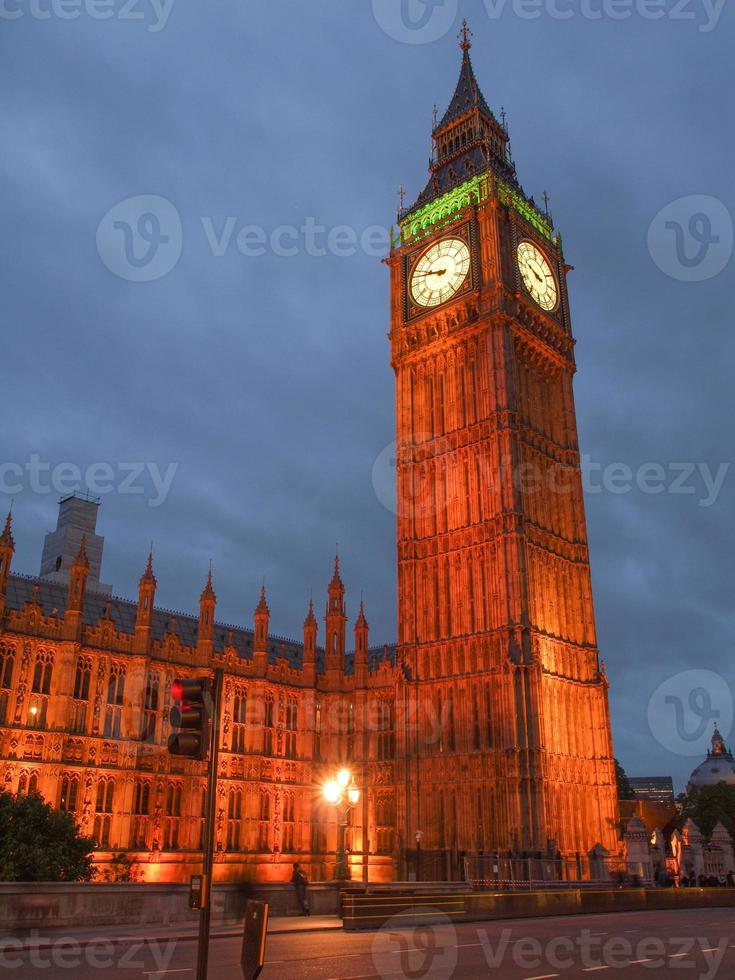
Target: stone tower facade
[495,610]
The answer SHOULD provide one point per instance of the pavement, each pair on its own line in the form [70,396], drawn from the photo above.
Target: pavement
[41,939]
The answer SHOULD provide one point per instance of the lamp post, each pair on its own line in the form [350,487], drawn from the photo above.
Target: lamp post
[343,793]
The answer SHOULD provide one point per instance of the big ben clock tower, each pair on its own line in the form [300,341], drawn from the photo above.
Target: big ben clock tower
[495,610]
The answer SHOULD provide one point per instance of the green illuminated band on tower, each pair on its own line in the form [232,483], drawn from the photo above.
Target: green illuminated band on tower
[510,197]
[430,215]
[425,220]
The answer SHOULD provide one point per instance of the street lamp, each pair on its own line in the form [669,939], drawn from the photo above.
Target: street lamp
[342,792]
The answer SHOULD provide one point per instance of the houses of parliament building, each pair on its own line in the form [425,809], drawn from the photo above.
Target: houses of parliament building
[485,729]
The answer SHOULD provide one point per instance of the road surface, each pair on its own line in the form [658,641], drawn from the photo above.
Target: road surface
[687,944]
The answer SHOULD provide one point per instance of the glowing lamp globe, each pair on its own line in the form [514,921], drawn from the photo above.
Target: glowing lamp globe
[332,791]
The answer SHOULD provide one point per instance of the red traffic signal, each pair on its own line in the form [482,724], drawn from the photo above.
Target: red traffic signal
[190,715]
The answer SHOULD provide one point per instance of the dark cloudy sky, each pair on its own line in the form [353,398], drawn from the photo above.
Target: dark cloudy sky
[267,379]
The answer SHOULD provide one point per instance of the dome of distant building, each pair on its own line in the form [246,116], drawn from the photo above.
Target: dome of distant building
[718,767]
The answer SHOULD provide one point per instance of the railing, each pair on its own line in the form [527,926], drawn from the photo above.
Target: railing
[507,872]
[495,871]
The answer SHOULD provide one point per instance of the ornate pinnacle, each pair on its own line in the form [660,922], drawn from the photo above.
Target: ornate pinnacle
[262,605]
[148,573]
[465,36]
[336,582]
[7,535]
[361,620]
[208,592]
[310,617]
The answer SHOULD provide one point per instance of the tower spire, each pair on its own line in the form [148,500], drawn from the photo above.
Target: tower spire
[468,140]
[208,592]
[146,600]
[310,617]
[148,573]
[260,641]
[361,618]
[7,549]
[262,606]
[335,621]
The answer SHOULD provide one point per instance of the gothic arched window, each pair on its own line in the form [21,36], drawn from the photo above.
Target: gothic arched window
[69,792]
[82,679]
[150,706]
[142,797]
[234,814]
[7,661]
[173,800]
[105,794]
[42,673]
[116,684]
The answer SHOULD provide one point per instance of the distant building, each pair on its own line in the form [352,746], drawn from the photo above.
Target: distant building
[659,788]
[718,767]
[77,519]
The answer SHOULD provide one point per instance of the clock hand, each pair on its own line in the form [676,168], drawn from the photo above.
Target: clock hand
[436,272]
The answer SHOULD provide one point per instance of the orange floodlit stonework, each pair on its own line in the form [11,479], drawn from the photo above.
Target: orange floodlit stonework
[495,610]
[486,730]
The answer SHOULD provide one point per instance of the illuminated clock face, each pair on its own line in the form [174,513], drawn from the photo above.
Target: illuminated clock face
[537,276]
[440,272]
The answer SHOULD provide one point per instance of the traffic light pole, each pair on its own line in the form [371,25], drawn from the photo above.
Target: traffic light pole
[205,912]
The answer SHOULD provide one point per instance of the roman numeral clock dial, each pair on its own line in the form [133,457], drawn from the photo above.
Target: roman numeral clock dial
[537,276]
[440,272]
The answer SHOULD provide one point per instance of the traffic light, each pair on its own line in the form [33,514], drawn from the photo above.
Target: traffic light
[190,715]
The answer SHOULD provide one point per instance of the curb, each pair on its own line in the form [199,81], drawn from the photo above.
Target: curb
[17,945]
